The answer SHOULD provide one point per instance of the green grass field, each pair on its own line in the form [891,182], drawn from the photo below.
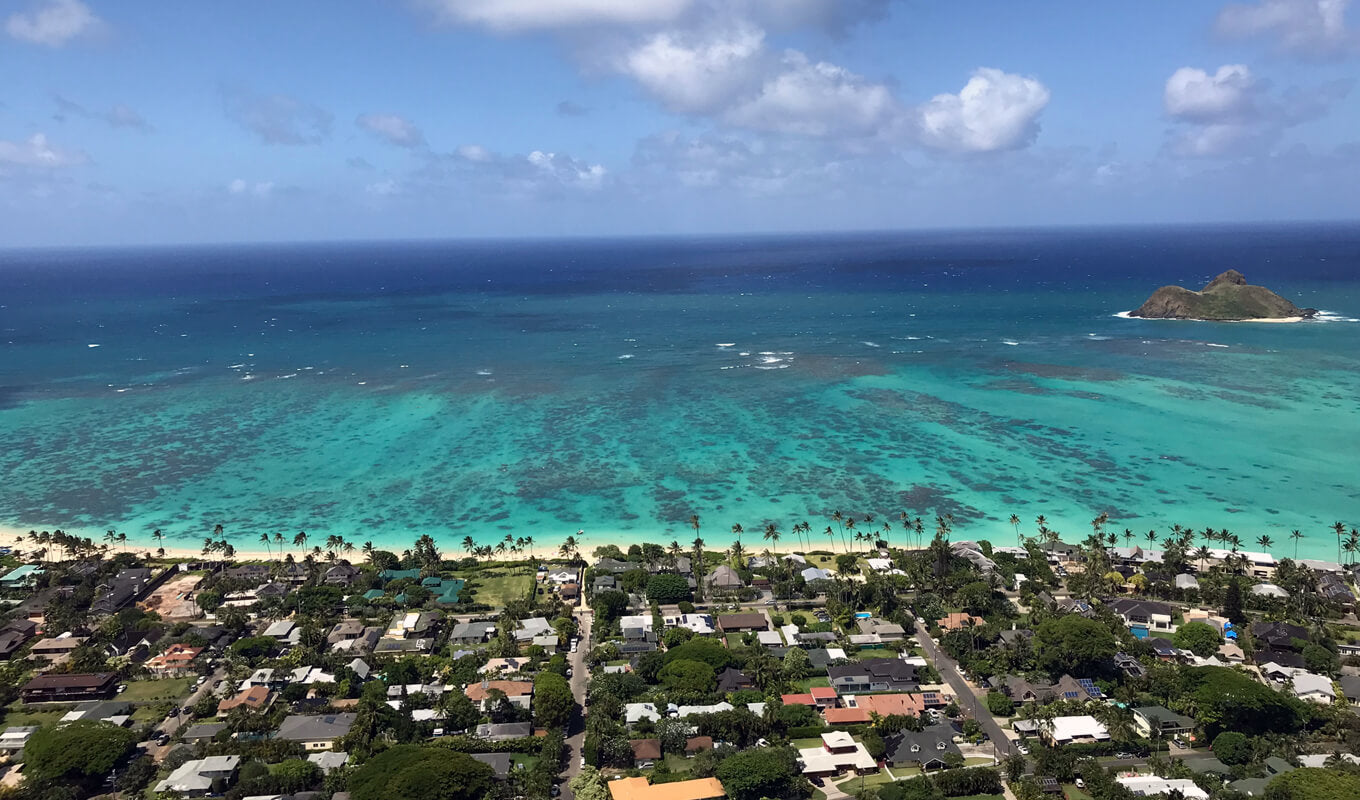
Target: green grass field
[807,683]
[853,783]
[149,690]
[1071,792]
[17,715]
[513,584]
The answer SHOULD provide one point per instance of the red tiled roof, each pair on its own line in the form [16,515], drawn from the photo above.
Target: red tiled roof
[845,716]
[823,692]
[798,700]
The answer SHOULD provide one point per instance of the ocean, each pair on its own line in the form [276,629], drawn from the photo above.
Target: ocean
[380,391]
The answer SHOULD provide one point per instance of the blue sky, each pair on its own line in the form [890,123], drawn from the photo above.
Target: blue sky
[161,121]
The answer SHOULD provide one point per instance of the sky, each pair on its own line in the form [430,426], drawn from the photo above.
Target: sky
[162,121]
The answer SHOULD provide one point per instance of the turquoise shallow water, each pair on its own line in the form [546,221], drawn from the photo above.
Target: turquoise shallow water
[481,392]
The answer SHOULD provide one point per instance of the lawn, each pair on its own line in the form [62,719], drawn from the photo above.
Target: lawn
[807,683]
[1071,792]
[164,689]
[17,715]
[852,784]
[152,712]
[978,761]
[815,741]
[677,762]
[512,584]
[523,761]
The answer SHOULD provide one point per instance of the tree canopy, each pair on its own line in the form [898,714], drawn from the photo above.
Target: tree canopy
[77,752]
[1200,638]
[1314,783]
[1224,699]
[763,772]
[1232,748]
[410,772]
[1075,645]
[553,700]
[667,587]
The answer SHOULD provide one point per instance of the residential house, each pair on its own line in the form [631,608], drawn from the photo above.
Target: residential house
[472,632]
[640,789]
[1151,786]
[700,624]
[68,687]
[733,680]
[248,573]
[13,739]
[958,621]
[120,591]
[1186,582]
[21,576]
[203,731]
[1279,636]
[751,621]
[839,753]
[885,631]
[816,574]
[689,711]
[930,748]
[1075,729]
[645,750]
[1269,590]
[113,712]
[1147,615]
[519,693]
[873,675]
[504,731]
[500,763]
[1074,605]
[1350,687]
[341,574]
[724,578]
[613,565]
[1129,665]
[328,761]
[633,713]
[698,744]
[254,698]
[56,648]
[14,636]
[176,660]
[769,639]
[1313,688]
[887,705]
[201,777]
[281,629]
[316,732]
[603,583]
[1156,718]
[533,627]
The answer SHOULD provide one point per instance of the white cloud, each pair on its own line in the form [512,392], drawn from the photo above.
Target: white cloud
[994,111]
[1195,95]
[693,74]
[474,152]
[53,23]
[241,186]
[816,99]
[36,151]
[384,188]
[392,128]
[277,118]
[521,15]
[567,170]
[1232,112]
[1309,28]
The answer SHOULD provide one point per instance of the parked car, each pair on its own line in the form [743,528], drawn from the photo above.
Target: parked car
[1081,784]
[1022,748]
[1124,755]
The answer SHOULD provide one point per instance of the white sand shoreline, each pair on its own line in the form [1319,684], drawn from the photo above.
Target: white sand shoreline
[1129,315]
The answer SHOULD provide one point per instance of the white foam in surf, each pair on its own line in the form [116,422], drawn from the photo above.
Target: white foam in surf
[727,344]
[625,355]
[871,344]
[1214,344]
[1332,316]
[1009,342]
[485,373]
[91,345]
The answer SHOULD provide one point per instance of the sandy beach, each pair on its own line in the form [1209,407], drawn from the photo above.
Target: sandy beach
[587,542]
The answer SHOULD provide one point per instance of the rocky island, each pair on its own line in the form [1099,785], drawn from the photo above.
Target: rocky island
[1227,298]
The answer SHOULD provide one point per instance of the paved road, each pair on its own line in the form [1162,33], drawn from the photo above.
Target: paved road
[579,677]
[175,721]
[963,693]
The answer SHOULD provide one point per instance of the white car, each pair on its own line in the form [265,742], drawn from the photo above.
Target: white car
[1081,784]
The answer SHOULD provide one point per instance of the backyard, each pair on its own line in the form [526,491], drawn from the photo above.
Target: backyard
[151,690]
[497,585]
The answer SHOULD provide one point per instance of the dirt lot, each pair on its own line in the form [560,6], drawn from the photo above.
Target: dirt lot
[174,600]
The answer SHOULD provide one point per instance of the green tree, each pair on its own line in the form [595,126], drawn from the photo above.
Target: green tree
[589,785]
[460,713]
[796,664]
[1314,783]
[1200,638]
[609,605]
[687,676]
[409,772]
[1232,602]
[667,587]
[79,753]
[553,701]
[1232,748]
[762,772]
[999,704]
[1074,644]
[1225,699]
[1319,659]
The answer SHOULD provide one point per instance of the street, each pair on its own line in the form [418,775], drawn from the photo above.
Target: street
[964,695]
[579,678]
[174,722]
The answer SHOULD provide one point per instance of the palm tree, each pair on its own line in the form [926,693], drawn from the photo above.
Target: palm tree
[469,544]
[737,530]
[1151,536]
[1296,535]
[568,548]
[264,539]
[738,555]
[1351,544]
[500,548]
[122,541]
[772,534]
[1203,555]
[159,537]
[1015,523]
[300,540]
[368,551]
[836,517]
[830,534]
[694,523]
[278,540]
[1265,542]
[887,528]
[1340,531]
[850,526]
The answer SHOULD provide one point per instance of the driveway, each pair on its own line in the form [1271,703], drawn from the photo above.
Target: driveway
[964,694]
[171,724]
[576,733]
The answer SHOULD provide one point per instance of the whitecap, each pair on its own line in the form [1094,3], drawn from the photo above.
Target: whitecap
[727,344]
[744,353]
[626,355]
[913,338]
[630,340]
[871,344]
[1125,315]
[484,372]
[91,345]
[1009,342]
[236,366]
[247,377]
[1214,344]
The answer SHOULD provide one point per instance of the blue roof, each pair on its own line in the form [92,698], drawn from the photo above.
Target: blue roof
[373,594]
[21,572]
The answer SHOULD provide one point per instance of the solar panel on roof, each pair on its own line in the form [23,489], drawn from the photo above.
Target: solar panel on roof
[1071,695]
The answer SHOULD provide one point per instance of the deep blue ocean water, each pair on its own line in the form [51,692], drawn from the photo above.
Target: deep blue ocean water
[380,391]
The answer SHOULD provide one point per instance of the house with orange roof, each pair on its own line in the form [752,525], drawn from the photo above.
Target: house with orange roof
[846,716]
[824,696]
[256,698]
[805,699]
[519,693]
[885,705]
[176,659]
[959,621]
[640,789]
